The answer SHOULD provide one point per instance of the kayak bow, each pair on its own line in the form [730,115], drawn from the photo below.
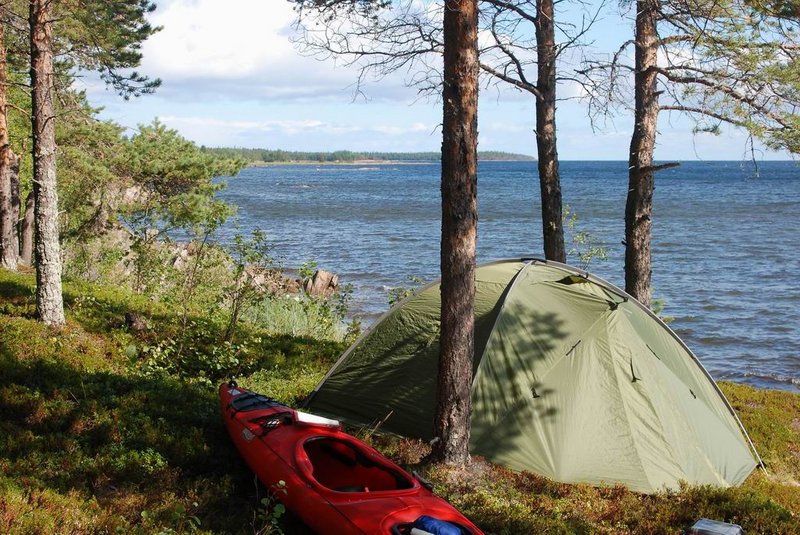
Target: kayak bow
[335,483]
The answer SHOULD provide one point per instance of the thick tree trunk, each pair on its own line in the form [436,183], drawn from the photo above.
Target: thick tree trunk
[641,184]
[549,179]
[459,230]
[49,301]
[9,173]
[26,232]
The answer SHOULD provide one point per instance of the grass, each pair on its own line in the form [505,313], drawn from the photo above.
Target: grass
[98,436]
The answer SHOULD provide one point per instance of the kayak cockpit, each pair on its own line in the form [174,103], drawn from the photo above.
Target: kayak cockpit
[343,466]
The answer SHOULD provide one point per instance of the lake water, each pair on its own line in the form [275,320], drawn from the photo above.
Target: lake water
[726,246]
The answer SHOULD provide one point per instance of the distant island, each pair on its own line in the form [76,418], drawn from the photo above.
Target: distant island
[256,156]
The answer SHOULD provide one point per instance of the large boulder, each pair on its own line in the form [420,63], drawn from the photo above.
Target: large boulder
[322,284]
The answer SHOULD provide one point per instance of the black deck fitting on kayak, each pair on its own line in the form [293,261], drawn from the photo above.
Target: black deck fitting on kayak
[232,383]
[268,423]
[251,402]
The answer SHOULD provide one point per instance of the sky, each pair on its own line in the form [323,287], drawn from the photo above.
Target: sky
[231,76]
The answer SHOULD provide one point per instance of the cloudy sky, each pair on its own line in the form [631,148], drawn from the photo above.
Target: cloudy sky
[232,77]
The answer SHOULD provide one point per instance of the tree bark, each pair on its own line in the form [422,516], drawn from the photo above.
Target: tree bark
[641,179]
[49,301]
[9,208]
[9,172]
[459,231]
[26,232]
[549,178]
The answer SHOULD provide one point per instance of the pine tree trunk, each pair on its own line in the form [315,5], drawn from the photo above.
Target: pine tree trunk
[459,231]
[9,173]
[641,184]
[15,200]
[549,179]
[9,208]
[26,232]
[49,301]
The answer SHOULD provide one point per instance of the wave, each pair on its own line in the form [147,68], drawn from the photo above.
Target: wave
[780,378]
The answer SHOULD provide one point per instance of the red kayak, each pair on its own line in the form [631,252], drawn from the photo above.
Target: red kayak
[334,482]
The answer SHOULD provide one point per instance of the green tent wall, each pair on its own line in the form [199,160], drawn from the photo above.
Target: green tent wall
[574,380]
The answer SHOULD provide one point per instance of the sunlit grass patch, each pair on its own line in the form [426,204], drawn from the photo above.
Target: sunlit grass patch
[299,315]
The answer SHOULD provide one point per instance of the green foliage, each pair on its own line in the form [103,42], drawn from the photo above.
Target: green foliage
[302,315]
[272,510]
[736,62]
[179,516]
[173,179]
[399,293]
[658,306]
[307,269]
[89,163]
[171,190]
[106,36]
[251,259]
[581,243]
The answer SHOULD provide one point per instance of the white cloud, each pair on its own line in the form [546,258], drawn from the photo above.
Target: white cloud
[209,38]
[241,49]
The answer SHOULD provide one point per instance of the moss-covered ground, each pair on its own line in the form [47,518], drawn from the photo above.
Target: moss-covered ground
[94,441]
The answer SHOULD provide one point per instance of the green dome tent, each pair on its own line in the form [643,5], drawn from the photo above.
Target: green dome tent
[573,379]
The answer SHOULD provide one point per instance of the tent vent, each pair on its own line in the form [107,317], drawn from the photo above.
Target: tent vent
[573,348]
[653,352]
[692,393]
[613,305]
[571,279]
[633,374]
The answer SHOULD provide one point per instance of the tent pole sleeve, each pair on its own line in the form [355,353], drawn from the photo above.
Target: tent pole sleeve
[508,291]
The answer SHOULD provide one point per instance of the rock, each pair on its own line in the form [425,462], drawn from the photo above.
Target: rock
[182,253]
[270,281]
[135,322]
[134,194]
[322,284]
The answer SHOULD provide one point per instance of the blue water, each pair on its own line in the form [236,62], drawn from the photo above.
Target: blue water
[726,246]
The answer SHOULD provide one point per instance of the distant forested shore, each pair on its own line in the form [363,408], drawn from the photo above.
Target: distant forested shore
[346,156]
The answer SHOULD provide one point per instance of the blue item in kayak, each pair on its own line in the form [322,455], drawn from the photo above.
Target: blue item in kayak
[436,527]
